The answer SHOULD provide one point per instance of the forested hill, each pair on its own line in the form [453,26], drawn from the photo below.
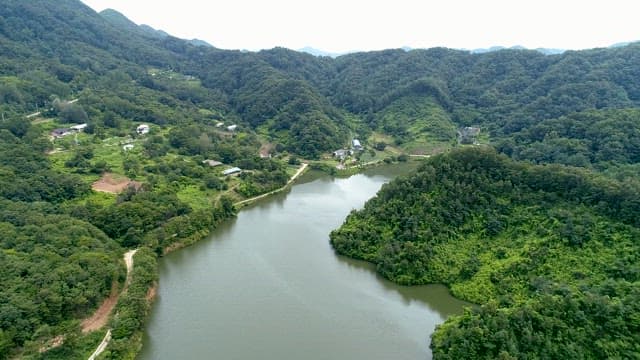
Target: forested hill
[551,253]
[309,104]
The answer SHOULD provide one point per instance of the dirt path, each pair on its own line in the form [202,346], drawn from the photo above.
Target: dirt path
[104,316]
[128,261]
[102,346]
[298,173]
[292,179]
[100,317]
[422,156]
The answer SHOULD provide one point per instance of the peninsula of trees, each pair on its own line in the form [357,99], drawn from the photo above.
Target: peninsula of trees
[550,253]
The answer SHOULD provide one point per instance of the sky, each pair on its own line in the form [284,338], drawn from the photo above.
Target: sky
[349,25]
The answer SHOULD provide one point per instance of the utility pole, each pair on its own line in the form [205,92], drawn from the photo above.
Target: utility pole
[3,116]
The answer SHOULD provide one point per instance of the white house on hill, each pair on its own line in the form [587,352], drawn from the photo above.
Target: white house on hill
[342,153]
[233,170]
[142,129]
[78,127]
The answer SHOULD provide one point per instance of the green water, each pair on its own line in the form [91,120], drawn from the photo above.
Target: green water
[268,285]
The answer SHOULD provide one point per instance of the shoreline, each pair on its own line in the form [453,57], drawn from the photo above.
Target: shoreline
[246,202]
[158,319]
[238,205]
[136,344]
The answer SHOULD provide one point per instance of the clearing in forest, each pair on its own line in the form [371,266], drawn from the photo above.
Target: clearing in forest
[113,183]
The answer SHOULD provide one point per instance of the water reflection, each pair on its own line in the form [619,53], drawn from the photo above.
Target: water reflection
[267,285]
[435,296]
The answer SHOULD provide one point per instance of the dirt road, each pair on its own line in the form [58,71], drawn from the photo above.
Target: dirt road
[292,179]
[99,319]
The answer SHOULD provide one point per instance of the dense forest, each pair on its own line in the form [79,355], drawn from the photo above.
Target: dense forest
[533,240]
[308,105]
[551,253]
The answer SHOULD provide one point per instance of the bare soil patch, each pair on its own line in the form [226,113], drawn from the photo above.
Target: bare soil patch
[266,149]
[114,184]
[100,317]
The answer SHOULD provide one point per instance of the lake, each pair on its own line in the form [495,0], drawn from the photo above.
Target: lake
[268,285]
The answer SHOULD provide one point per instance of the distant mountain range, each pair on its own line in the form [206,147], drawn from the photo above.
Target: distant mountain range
[546,51]
[318,52]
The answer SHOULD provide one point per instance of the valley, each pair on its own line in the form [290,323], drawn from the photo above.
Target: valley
[117,137]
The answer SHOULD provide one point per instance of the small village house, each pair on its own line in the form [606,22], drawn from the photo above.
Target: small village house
[142,129]
[79,127]
[58,133]
[233,170]
[341,154]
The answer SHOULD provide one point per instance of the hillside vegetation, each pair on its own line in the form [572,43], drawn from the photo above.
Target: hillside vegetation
[550,252]
[308,105]
[62,65]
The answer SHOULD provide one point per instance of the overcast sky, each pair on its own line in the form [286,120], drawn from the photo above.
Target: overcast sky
[344,25]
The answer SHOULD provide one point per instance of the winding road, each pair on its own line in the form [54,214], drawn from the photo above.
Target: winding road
[103,315]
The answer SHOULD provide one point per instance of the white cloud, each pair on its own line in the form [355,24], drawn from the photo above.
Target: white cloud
[339,25]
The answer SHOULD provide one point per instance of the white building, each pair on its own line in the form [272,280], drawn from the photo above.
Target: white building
[342,153]
[142,129]
[233,170]
[78,127]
